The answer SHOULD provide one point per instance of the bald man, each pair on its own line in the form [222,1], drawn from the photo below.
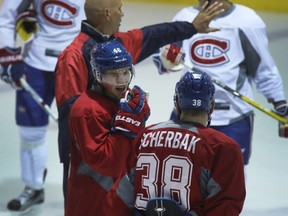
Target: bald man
[73,71]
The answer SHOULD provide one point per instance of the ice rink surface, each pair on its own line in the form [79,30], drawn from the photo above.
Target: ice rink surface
[267,173]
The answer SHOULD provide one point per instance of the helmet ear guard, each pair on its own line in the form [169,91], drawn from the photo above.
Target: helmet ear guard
[176,103]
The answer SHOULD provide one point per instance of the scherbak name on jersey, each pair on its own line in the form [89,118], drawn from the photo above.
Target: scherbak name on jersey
[170,139]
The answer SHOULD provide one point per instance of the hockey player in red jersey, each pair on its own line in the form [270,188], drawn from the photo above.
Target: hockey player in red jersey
[73,72]
[102,129]
[183,162]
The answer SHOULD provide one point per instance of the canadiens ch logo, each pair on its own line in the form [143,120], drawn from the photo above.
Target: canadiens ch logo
[59,12]
[209,51]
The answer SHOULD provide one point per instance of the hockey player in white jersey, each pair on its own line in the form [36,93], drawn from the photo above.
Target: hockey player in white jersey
[58,23]
[238,56]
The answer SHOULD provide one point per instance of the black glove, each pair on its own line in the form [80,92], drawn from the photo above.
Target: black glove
[164,206]
[26,24]
[283,111]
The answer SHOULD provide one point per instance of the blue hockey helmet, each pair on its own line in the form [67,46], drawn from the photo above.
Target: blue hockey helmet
[109,55]
[194,91]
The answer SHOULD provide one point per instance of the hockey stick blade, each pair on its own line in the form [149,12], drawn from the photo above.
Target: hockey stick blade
[37,98]
[244,98]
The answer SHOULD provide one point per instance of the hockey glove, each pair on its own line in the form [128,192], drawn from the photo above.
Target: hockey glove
[172,56]
[26,24]
[283,111]
[158,63]
[133,112]
[11,66]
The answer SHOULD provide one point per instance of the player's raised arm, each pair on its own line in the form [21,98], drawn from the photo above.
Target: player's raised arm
[206,15]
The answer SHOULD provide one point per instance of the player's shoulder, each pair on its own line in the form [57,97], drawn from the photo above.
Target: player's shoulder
[83,106]
[243,8]
[75,47]
[92,103]
[186,14]
[190,9]
[245,16]
[214,137]
[82,99]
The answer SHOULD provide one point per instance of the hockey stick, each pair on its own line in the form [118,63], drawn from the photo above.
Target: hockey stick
[246,99]
[37,98]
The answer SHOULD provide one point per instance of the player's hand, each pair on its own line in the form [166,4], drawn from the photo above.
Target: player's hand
[173,54]
[133,112]
[11,66]
[282,110]
[206,15]
[170,59]
[159,64]
[26,24]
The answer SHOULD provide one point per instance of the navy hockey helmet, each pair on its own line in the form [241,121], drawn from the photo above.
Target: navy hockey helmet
[109,55]
[194,91]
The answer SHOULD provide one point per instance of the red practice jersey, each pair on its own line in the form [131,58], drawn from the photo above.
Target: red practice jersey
[200,168]
[97,155]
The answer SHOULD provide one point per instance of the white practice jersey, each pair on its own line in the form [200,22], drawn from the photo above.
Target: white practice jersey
[238,56]
[7,25]
[59,22]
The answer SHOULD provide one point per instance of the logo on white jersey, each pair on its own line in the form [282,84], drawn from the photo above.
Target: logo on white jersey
[209,51]
[59,13]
